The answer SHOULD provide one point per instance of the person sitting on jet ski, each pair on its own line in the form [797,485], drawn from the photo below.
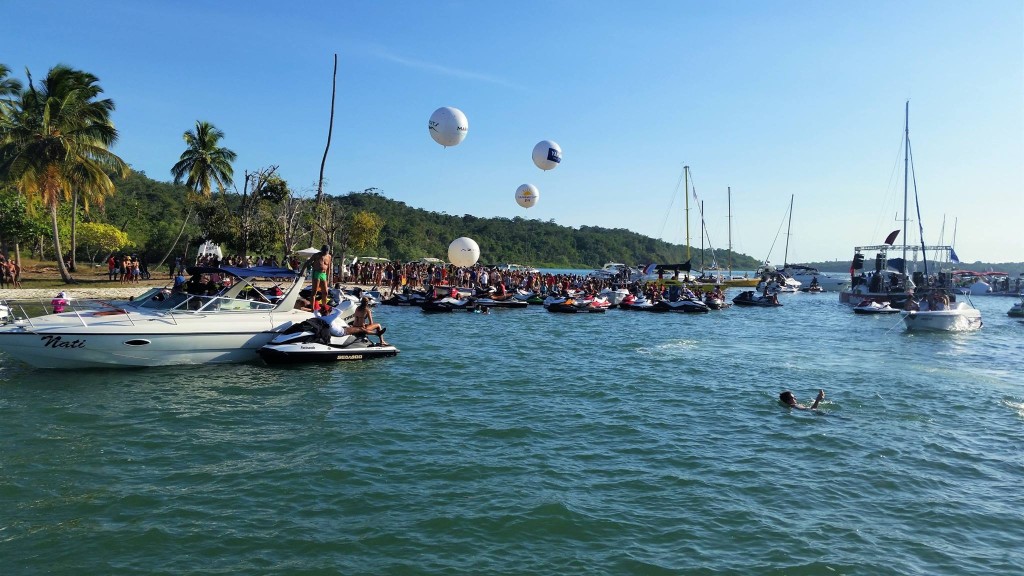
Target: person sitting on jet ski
[363,324]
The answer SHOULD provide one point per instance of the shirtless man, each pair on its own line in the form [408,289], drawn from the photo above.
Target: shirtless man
[320,264]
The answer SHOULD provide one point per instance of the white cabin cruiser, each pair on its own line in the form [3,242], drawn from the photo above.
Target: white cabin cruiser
[807,274]
[166,327]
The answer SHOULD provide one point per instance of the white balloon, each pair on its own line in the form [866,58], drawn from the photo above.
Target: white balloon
[527,195]
[463,252]
[448,126]
[547,154]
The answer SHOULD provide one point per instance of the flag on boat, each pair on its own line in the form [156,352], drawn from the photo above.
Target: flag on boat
[892,237]
[953,257]
[649,269]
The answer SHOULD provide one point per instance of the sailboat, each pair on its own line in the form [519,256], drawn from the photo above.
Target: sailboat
[938,309]
[773,279]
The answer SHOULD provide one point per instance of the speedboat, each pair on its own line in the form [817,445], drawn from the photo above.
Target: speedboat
[164,327]
[320,340]
[807,274]
[751,298]
[958,317]
[868,307]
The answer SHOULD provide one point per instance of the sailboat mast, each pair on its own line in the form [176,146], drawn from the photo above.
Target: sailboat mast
[785,255]
[906,171]
[729,198]
[686,192]
[702,237]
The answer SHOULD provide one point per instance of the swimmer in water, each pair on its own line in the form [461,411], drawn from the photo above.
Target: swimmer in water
[787,398]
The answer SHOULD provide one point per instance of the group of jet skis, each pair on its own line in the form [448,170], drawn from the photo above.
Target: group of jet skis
[559,300]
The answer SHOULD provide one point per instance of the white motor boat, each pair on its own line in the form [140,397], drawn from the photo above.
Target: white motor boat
[958,317]
[164,327]
[615,296]
[806,274]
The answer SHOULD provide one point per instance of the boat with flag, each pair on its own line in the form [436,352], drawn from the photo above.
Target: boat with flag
[928,300]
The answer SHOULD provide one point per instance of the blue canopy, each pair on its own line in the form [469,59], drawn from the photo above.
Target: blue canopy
[254,272]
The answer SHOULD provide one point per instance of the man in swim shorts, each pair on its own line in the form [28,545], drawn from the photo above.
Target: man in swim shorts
[320,264]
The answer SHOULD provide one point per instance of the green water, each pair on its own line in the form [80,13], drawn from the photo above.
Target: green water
[524,442]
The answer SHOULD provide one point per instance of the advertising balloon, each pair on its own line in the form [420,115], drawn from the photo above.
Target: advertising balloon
[547,154]
[527,195]
[463,252]
[448,126]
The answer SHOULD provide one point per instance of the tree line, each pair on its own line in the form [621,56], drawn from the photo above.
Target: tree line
[65,197]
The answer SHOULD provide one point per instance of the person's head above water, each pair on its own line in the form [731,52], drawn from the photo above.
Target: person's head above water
[786,397]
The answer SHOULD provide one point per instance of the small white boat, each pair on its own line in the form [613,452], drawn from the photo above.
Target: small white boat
[958,317]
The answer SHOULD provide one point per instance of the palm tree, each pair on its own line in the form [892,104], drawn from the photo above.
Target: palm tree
[54,142]
[203,162]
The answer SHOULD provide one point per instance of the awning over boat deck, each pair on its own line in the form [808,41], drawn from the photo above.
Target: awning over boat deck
[254,272]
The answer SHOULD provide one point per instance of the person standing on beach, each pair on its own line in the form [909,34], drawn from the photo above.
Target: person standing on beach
[320,264]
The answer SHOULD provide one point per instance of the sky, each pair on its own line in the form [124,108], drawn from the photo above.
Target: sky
[771,100]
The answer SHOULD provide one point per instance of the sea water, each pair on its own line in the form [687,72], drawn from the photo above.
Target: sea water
[522,442]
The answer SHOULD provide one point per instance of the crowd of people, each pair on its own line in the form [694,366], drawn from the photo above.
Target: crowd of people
[127,269]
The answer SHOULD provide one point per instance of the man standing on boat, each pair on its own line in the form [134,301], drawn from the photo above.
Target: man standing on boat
[320,265]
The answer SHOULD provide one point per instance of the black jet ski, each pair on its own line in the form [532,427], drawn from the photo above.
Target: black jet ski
[685,305]
[751,298]
[311,341]
[448,304]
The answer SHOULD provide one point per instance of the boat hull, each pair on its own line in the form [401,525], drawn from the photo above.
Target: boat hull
[319,353]
[956,320]
[135,340]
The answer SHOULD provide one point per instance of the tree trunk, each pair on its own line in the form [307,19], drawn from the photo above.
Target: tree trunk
[74,238]
[64,274]
[175,245]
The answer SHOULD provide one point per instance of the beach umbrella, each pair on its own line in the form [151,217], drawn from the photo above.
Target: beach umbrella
[308,251]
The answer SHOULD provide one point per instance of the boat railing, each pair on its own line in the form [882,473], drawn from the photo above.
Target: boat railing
[82,309]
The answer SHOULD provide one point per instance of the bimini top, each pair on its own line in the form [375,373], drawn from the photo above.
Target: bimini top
[254,272]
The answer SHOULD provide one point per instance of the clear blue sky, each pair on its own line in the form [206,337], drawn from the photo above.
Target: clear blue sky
[768,98]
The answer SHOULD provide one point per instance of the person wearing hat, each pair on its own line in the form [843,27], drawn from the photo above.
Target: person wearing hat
[320,265]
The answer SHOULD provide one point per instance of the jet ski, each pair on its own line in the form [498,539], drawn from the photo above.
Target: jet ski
[685,305]
[872,307]
[448,304]
[631,302]
[750,298]
[321,339]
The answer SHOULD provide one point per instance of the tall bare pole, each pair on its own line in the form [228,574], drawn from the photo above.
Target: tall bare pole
[330,130]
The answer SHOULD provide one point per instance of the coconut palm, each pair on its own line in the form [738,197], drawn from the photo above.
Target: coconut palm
[204,162]
[55,142]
